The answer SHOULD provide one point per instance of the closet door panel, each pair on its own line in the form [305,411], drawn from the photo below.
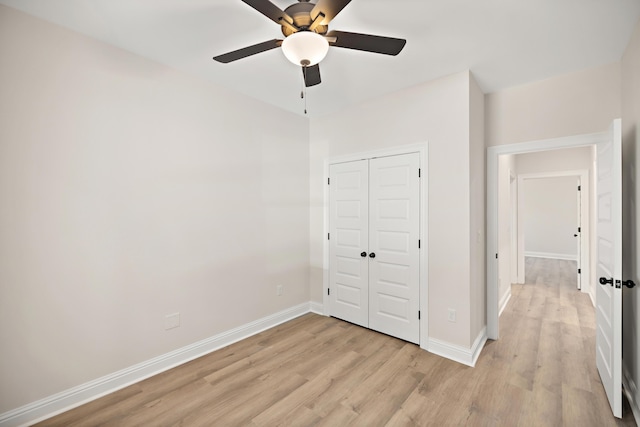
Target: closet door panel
[394,230]
[348,269]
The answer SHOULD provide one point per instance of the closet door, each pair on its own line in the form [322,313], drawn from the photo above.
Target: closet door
[394,230]
[348,241]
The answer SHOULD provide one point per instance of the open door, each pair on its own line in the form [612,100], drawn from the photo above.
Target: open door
[578,234]
[609,267]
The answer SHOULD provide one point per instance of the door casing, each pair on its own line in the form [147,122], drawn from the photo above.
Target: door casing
[422,150]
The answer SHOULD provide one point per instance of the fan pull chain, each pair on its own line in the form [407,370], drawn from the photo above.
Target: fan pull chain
[303,90]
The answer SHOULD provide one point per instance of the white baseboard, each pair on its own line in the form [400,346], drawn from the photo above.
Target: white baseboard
[592,297]
[504,301]
[466,356]
[551,255]
[631,390]
[76,396]
[316,307]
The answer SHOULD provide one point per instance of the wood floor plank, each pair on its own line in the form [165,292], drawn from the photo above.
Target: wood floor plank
[320,371]
[385,391]
[308,392]
[541,407]
[344,385]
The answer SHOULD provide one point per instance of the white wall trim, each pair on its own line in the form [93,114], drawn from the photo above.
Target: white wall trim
[466,356]
[493,154]
[423,149]
[505,300]
[551,255]
[76,396]
[316,307]
[631,391]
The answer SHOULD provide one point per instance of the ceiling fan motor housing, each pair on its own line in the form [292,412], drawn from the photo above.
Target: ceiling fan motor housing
[301,15]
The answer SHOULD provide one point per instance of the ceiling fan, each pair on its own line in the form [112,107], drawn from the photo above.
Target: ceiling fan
[305,26]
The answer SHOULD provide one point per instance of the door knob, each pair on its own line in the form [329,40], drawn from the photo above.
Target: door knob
[604,281]
[363,254]
[628,283]
[575,235]
[372,255]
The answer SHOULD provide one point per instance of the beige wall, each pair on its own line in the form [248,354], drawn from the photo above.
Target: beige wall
[130,191]
[577,103]
[572,159]
[631,215]
[437,112]
[550,216]
[478,197]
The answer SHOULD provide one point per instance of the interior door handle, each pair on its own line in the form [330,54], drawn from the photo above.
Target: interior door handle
[372,255]
[629,283]
[575,235]
[604,281]
[363,254]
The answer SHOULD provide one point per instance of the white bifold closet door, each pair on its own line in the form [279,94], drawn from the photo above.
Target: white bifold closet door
[348,240]
[374,244]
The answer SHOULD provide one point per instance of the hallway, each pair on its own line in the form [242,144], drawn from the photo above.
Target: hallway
[548,334]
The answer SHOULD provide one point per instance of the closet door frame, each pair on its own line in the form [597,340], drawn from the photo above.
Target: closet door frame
[422,150]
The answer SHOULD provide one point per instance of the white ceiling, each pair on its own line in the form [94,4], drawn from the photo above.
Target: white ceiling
[503,42]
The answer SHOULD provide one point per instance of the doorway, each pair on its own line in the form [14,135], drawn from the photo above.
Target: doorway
[493,181]
[554,215]
[607,148]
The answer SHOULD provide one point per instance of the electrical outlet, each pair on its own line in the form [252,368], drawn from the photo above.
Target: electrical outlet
[279,290]
[171,321]
[452,315]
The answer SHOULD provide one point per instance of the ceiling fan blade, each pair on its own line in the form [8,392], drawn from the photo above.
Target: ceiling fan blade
[270,10]
[367,42]
[311,75]
[329,8]
[248,51]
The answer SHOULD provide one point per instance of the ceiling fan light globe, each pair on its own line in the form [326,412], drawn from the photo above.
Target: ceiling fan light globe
[305,48]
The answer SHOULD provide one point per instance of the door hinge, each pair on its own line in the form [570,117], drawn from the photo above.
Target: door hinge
[496,256]
[579,229]
[419,172]
[328,291]
[418,314]
[418,243]
[579,187]
[328,236]
[579,271]
[328,181]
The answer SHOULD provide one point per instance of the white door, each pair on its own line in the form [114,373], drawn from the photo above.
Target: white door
[394,274]
[513,228]
[609,267]
[348,240]
[578,234]
[374,270]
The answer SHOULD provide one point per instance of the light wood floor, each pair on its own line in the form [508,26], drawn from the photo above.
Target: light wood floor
[318,371]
